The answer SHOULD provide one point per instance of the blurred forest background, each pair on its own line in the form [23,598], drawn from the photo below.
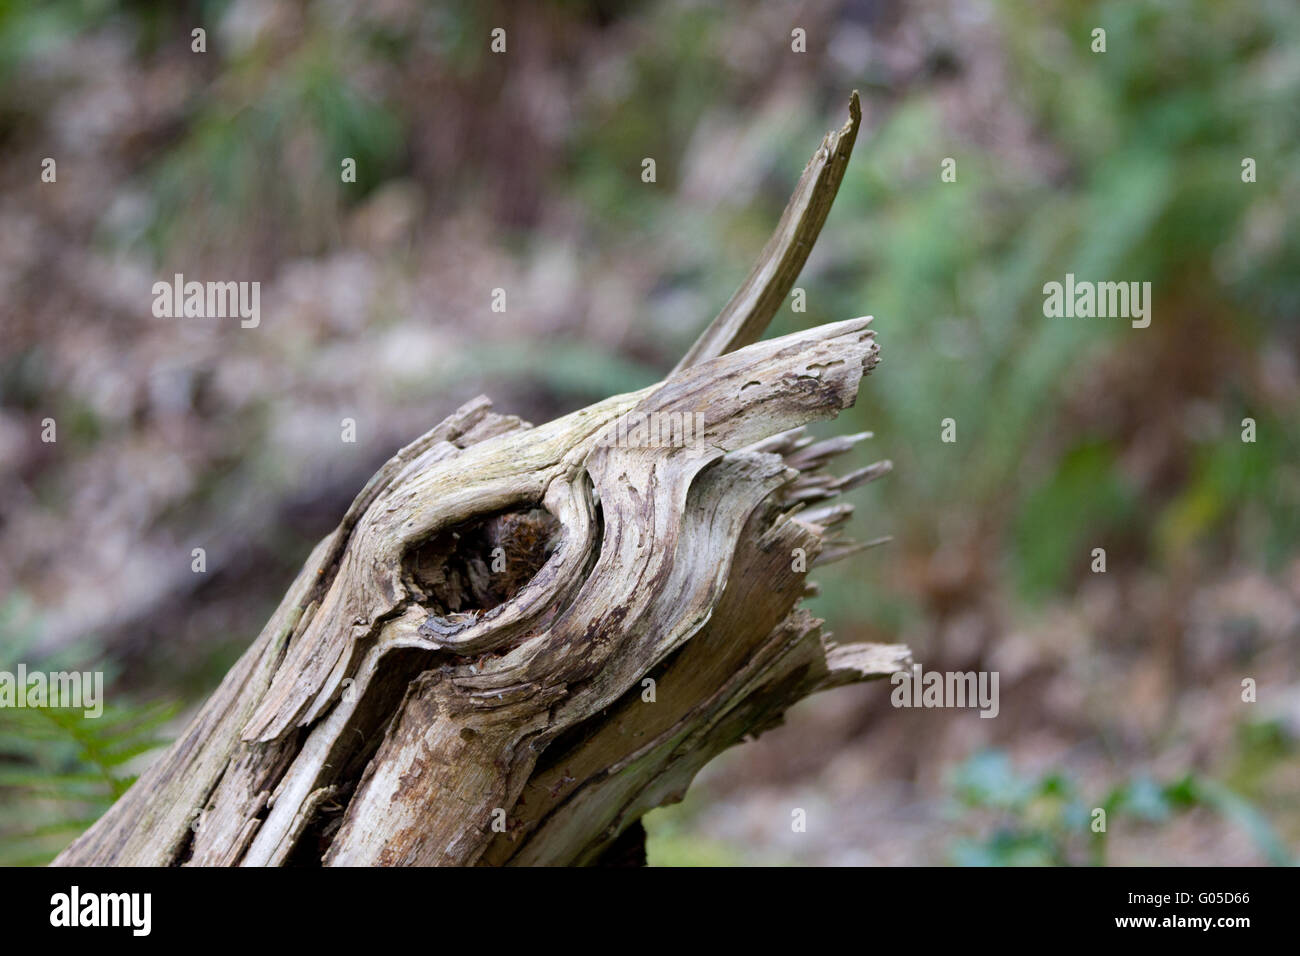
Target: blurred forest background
[1119,690]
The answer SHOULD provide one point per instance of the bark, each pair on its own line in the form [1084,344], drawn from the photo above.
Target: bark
[519,640]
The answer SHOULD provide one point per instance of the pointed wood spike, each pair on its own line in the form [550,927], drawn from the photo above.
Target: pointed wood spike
[744,318]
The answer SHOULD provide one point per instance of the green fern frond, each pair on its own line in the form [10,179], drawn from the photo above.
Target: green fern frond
[61,770]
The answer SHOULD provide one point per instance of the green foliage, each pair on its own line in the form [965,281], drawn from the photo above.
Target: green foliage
[672,848]
[59,769]
[1083,499]
[1048,820]
[1149,138]
[27,30]
[672,838]
[236,168]
[1232,479]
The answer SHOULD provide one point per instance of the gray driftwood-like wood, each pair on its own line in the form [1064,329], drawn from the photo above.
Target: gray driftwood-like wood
[519,640]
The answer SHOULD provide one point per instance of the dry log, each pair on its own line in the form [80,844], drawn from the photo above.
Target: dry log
[519,640]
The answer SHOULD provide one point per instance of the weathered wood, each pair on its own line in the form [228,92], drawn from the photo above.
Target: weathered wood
[749,311]
[519,640]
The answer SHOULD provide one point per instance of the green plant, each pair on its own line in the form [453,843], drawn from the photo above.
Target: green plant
[59,769]
[1046,820]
